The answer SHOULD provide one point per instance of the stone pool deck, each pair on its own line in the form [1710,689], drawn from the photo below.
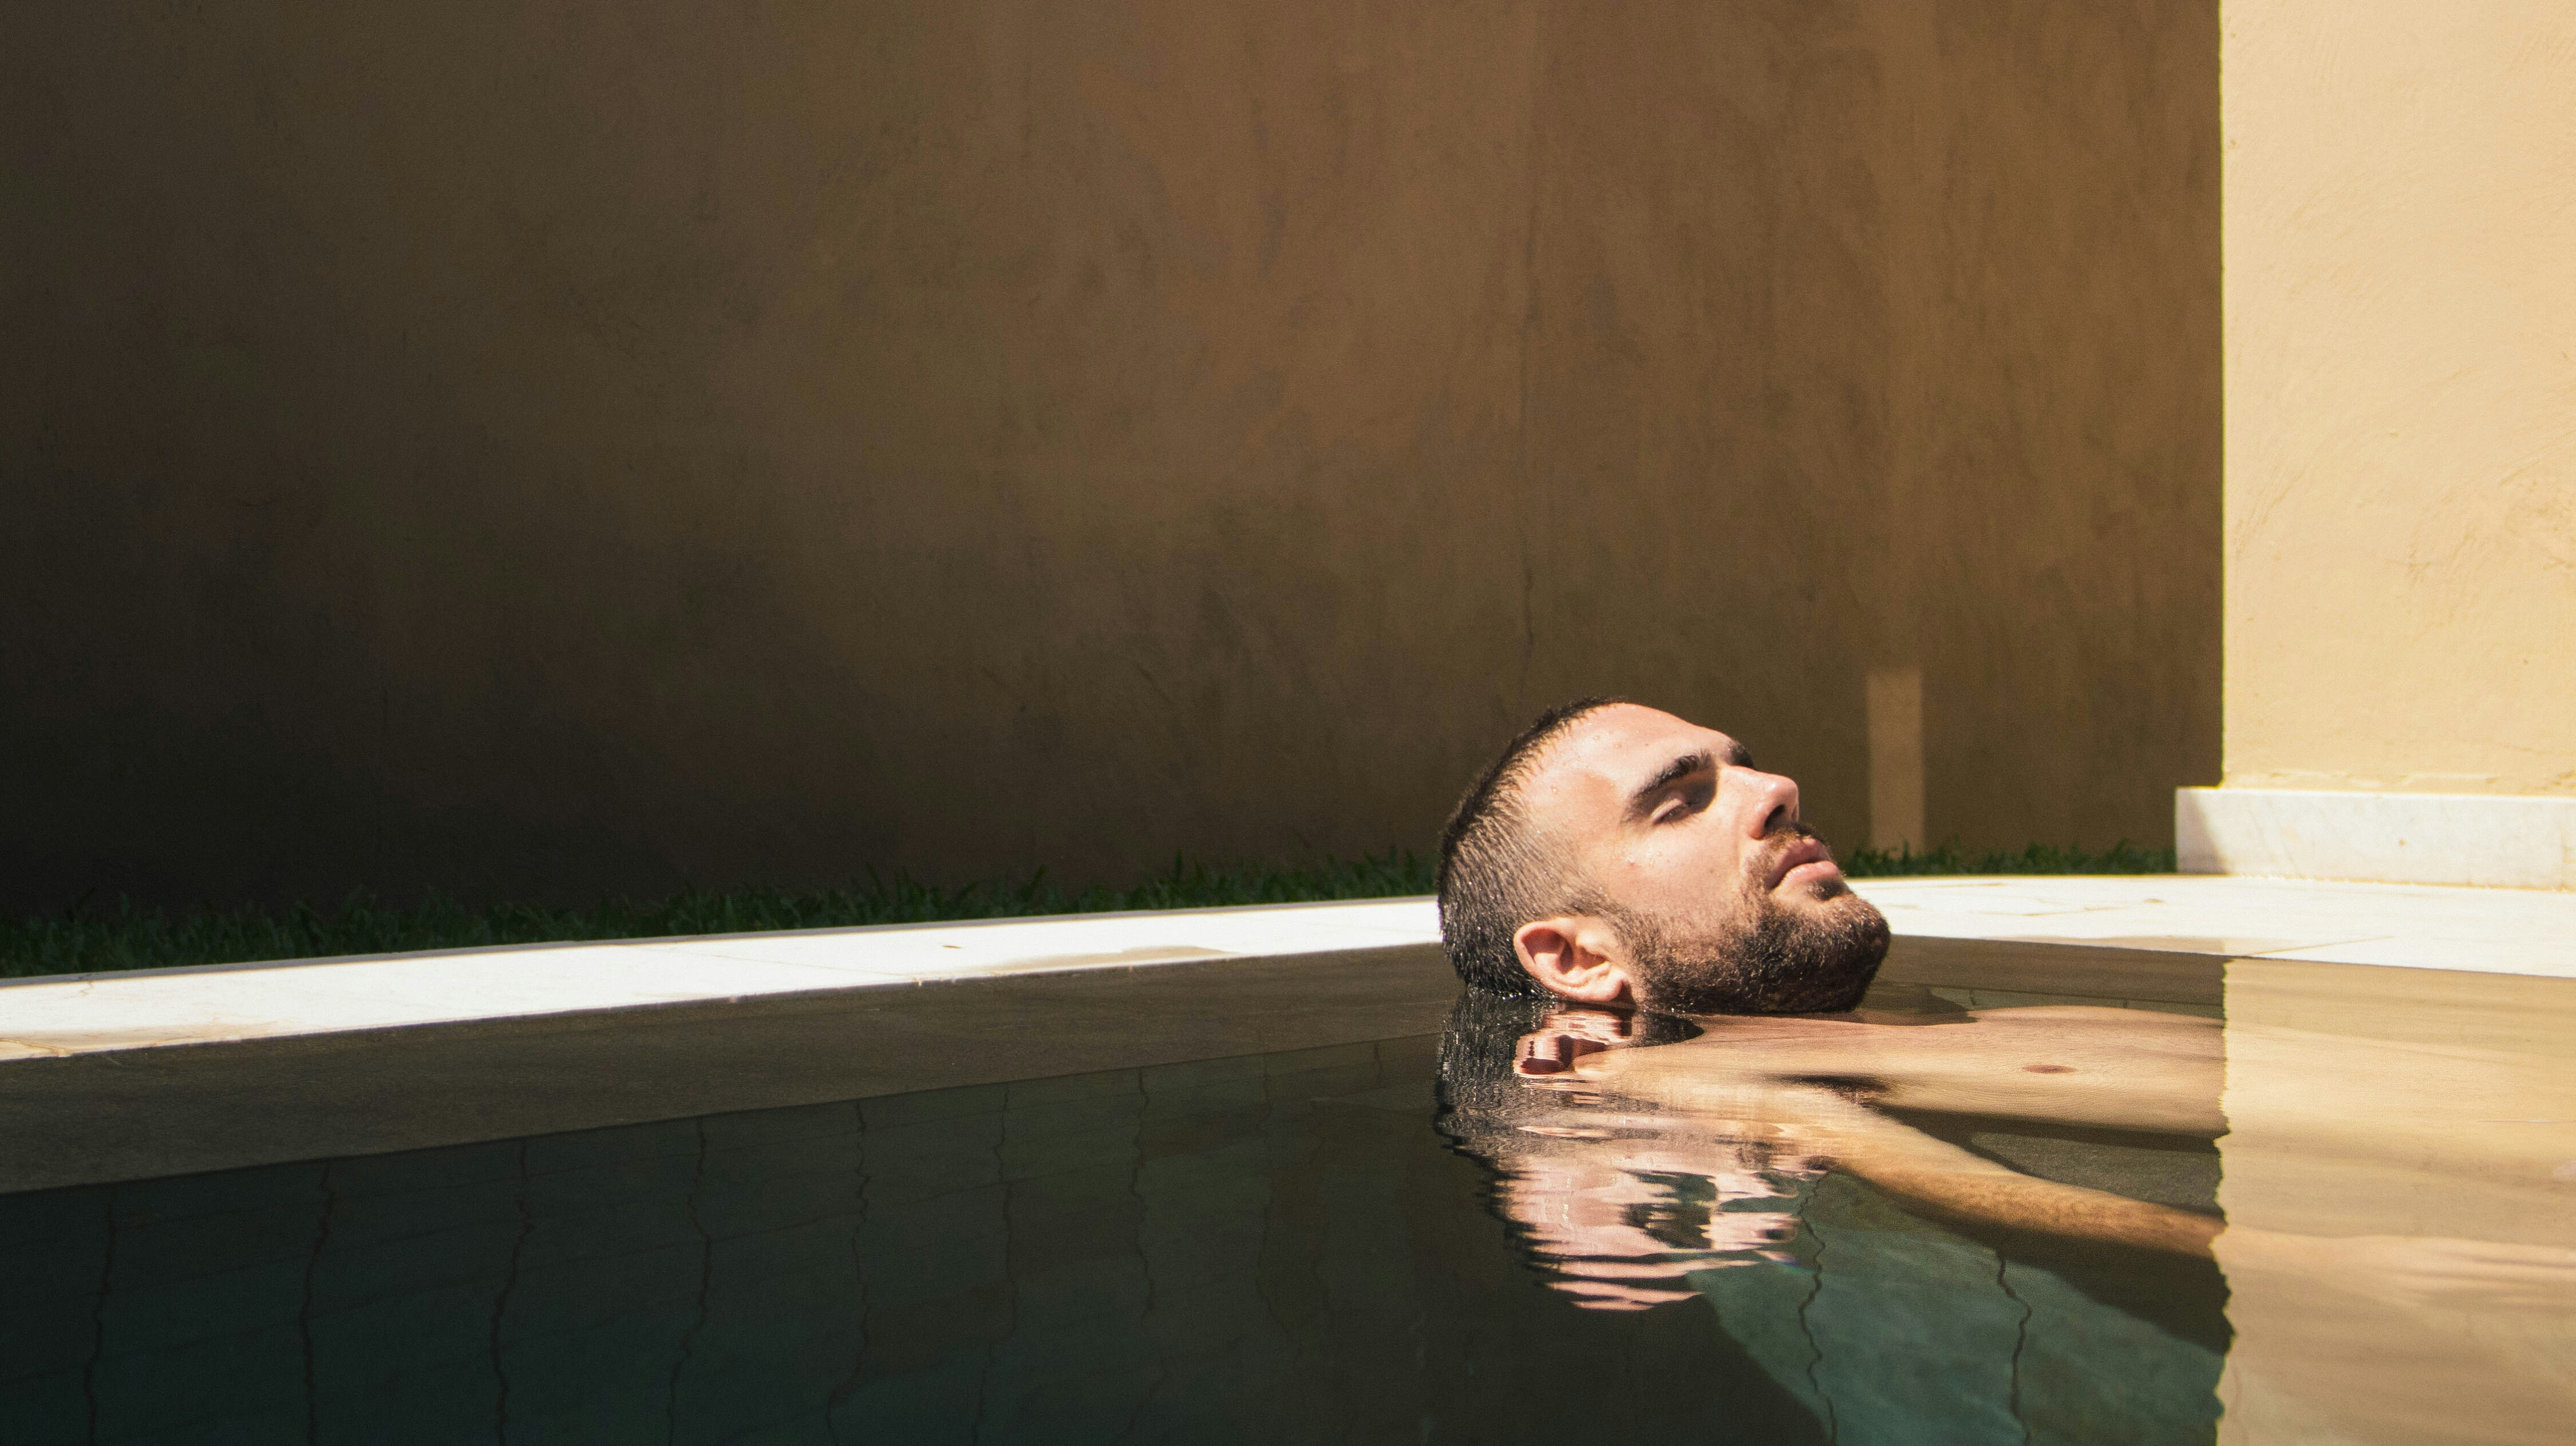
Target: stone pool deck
[131,1076]
[78,1014]
[2489,931]
[2484,930]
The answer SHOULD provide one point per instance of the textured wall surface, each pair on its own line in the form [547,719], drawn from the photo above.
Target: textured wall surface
[2401,396]
[533,448]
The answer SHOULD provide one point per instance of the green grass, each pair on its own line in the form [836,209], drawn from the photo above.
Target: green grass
[125,937]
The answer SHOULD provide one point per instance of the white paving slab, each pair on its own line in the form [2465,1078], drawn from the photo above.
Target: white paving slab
[2512,931]
[72,1014]
[2492,930]
[2489,840]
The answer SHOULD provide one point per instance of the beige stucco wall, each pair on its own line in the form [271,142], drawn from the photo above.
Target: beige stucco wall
[2401,395]
[529,448]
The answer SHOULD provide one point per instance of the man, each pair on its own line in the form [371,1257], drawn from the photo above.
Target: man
[1615,858]
[1615,854]
[1617,866]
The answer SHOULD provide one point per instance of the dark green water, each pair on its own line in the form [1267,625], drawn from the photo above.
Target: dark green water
[1276,1248]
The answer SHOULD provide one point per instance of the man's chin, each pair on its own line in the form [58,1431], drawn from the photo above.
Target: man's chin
[1813,955]
[1862,939]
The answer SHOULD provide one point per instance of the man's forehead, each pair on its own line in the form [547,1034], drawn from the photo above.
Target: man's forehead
[1611,750]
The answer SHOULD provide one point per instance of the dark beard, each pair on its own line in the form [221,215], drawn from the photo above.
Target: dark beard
[1768,959]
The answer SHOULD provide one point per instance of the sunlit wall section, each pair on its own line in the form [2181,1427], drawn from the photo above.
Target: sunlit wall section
[2400,199]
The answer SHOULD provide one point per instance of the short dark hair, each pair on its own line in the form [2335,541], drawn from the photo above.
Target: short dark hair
[1494,875]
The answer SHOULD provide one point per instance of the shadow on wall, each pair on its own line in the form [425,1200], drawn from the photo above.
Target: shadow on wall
[538,449]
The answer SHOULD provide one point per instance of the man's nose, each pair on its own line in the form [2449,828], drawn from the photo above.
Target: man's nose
[1768,800]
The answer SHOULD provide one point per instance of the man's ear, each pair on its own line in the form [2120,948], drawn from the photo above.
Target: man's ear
[1574,956]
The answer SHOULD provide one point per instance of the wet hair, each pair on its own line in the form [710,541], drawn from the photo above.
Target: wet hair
[1494,874]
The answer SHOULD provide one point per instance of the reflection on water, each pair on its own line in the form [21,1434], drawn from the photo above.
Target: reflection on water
[1929,1221]
[1914,1235]
[1272,1248]
[2381,1109]
[1926,1222]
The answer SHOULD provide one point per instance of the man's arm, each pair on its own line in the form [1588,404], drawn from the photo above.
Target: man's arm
[1931,1175]
[1944,1181]
[1949,1183]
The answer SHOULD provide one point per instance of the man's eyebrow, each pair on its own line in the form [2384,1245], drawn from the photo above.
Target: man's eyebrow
[1674,772]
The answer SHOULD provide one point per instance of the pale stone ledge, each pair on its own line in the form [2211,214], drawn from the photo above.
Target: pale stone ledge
[1946,929]
[129,1076]
[2495,841]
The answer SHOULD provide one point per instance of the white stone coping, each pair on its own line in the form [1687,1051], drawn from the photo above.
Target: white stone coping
[2492,930]
[78,1013]
[2502,841]
[2495,931]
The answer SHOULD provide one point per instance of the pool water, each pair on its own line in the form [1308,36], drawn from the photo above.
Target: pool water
[1380,1242]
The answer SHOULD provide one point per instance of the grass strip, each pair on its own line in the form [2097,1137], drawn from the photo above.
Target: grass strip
[86,941]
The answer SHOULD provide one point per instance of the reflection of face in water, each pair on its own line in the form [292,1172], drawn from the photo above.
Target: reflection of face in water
[1615,1203]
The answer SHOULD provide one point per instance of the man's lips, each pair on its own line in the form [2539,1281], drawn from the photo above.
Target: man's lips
[1798,855]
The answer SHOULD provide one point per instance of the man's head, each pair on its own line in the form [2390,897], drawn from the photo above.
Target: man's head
[1615,853]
